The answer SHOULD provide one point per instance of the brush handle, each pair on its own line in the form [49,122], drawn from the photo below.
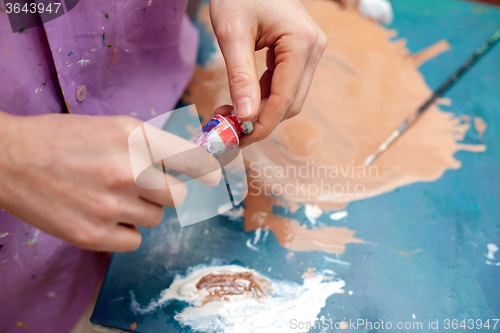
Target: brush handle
[445,86]
[483,49]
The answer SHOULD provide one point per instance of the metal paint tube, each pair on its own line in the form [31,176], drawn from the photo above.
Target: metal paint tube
[221,133]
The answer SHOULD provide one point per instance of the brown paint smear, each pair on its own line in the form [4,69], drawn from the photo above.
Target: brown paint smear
[363,88]
[430,52]
[218,286]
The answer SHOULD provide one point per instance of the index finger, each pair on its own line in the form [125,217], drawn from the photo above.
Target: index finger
[290,64]
[149,145]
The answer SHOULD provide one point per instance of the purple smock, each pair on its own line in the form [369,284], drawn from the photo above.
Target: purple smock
[131,57]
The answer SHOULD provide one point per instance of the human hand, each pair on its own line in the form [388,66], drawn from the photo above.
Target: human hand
[71,176]
[295,43]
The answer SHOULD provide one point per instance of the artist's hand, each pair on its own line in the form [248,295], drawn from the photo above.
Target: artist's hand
[71,176]
[295,43]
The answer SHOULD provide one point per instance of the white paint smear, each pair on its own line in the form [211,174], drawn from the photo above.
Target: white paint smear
[83,62]
[251,246]
[242,313]
[338,215]
[313,212]
[492,248]
[228,210]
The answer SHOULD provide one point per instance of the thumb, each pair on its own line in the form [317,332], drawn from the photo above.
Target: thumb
[239,55]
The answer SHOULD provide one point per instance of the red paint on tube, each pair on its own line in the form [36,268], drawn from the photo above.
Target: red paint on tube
[221,133]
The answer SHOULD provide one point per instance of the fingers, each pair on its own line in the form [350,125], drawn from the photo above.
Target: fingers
[305,83]
[113,237]
[124,238]
[284,93]
[181,155]
[197,164]
[238,48]
[291,59]
[224,110]
[172,196]
[142,213]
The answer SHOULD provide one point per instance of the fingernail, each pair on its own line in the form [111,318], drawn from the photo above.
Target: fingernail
[243,107]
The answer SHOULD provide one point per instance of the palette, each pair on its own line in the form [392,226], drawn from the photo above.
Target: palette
[424,252]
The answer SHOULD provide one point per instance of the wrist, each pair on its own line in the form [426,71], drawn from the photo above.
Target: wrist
[8,127]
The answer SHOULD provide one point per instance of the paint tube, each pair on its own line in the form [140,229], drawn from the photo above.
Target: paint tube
[221,133]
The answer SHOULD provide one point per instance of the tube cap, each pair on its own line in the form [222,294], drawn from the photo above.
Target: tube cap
[247,126]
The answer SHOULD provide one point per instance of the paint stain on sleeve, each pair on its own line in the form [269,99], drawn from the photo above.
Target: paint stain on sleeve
[113,56]
[133,326]
[21,324]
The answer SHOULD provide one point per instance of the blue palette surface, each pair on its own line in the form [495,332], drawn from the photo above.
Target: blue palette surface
[426,256]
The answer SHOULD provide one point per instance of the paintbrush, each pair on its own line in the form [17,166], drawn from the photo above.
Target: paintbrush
[495,37]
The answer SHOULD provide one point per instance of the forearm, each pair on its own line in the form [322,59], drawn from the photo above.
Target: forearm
[8,126]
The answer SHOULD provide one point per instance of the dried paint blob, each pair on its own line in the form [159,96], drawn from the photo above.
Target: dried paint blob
[236,299]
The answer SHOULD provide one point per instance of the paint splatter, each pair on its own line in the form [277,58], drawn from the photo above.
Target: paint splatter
[32,240]
[133,325]
[310,273]
[338,215]
[430,52]
[492,248]
[21,324]
[233,214]
[407,253]
[83,62]
[113,56]
[104,40]
[250,302]
[313,212]
[251,246]
[480,126]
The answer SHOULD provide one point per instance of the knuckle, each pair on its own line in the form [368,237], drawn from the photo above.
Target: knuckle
[117,176]
[126,124]
[309,37]
[238,76]
[110,208]
[292,113]
[227,31]
[92,237]
[322,41]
